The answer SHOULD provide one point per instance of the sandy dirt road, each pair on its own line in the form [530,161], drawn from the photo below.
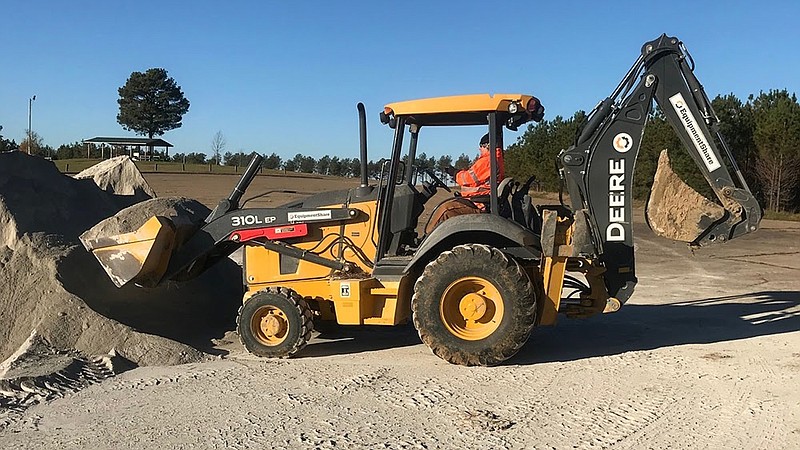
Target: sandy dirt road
[705,355]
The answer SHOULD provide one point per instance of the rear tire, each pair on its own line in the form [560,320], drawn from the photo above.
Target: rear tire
[474,306]
[274,323]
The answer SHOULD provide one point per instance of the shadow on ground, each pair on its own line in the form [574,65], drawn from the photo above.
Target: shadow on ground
[195,312]
[343,339]
[648,327]
[197,315]
[635,327]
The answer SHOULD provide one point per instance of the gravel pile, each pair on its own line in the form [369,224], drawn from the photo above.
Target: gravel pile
[51,284]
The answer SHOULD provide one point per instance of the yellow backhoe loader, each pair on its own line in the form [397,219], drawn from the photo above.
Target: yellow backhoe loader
[477,284]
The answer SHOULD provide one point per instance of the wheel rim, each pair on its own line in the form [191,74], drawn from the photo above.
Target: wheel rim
[269,325]
[471,308]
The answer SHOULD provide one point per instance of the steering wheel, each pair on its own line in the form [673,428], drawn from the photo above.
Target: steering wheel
[436,181]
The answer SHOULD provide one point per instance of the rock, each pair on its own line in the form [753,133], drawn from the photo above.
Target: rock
[675,210]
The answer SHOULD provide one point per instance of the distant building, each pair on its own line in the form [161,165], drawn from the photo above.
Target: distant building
[137,148]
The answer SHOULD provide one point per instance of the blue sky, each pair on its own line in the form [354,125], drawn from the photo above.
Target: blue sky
[280,76]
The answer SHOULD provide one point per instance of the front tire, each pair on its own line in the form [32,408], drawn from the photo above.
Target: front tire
[474,306]
[274,323]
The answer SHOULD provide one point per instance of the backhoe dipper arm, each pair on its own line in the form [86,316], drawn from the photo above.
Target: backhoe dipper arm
[598,169]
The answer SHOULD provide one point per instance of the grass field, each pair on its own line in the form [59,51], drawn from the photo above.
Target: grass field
[73,166]
[782,215]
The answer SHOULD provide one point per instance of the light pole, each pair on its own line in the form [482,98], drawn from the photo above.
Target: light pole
[30,131]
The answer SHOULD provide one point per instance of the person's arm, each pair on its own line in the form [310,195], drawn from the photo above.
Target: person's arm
[477,174]
[468,178]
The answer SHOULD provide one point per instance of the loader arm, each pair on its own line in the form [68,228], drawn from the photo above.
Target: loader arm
[598,169]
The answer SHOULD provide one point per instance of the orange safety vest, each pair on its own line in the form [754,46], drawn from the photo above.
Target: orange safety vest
[475,180]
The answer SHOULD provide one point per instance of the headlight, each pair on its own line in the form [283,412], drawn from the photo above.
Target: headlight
[513,107]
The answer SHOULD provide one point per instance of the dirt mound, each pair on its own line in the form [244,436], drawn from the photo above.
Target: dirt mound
[34,296]
[675,210]
[35,197]
[48,282]
[119,176]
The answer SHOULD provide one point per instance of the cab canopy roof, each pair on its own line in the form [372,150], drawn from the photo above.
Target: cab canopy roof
[456,109]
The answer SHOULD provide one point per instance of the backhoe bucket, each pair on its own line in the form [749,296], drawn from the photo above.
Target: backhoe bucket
[675,210]
[141,256]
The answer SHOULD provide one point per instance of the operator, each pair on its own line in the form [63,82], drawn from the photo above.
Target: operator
[475,181]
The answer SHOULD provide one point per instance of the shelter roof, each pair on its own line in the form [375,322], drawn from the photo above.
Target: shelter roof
[128,141]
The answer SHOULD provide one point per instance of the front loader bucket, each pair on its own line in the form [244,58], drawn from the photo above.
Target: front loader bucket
[675,210]
[141,256]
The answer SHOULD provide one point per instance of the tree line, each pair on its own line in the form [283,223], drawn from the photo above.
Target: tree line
[325,165]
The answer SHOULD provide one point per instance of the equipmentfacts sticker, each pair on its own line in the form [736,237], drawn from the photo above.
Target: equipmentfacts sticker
[321,214]
[698,138]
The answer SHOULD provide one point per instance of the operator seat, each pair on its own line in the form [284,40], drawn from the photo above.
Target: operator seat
[457,205]
[504,189]
[515,203]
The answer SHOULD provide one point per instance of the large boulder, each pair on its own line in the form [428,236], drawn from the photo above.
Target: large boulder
[675,210]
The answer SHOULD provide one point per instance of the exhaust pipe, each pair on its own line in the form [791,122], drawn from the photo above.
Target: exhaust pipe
[230,203]
[247,178]
[362,128]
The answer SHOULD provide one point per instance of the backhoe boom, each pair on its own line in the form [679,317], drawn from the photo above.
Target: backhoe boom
[598,169]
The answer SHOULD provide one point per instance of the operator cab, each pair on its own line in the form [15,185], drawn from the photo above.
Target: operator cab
[398,234]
